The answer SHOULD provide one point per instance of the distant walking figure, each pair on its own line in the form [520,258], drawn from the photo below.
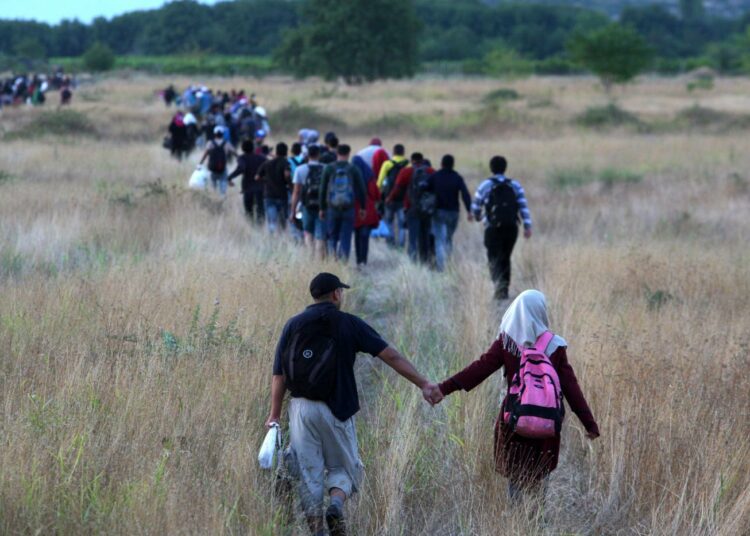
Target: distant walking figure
[503,202]
[527,430]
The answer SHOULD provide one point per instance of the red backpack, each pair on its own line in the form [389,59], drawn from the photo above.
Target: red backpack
[534,407]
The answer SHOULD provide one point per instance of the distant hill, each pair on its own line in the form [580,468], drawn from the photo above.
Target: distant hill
[722,8]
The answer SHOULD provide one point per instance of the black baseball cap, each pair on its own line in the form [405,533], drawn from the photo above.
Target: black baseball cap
[325,283]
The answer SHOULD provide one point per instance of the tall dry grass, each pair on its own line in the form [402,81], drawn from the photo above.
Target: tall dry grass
[139,320]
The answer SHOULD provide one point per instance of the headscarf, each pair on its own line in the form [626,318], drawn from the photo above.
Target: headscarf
[363,168]
[525,321]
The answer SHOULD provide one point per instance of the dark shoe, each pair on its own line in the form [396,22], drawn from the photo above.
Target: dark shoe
[335,521]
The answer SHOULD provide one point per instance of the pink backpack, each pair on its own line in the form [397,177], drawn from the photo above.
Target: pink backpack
[534,407]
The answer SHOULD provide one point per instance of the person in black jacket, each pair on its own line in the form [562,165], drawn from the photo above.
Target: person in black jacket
[447,186]
[248,164]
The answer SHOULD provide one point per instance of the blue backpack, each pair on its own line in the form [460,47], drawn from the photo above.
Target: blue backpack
[341,188]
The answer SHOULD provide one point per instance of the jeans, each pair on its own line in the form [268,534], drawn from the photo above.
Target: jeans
[394,214]
[253,201]
[276,213]
[362,243]
[419,237]
[499,242]
[219,182]
[339,225]
[312,224]
[444,224]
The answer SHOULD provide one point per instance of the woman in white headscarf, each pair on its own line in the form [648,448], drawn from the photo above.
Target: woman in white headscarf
[524,461]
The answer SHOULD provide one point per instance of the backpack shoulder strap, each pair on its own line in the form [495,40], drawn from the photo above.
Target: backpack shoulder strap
[543,341]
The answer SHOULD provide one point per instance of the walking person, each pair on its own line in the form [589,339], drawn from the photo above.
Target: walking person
[276,177]
[368,219]
[315,362]
[526,449]
[248,164]
[307,182]
[393,212]
[503,202]
[218,153]
[411,183]
[342,186]
[448,186]
[179,136]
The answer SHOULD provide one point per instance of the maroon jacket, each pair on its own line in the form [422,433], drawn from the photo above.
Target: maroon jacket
[519,457]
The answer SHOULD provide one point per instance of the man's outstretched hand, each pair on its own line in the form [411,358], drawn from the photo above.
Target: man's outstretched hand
[432,394]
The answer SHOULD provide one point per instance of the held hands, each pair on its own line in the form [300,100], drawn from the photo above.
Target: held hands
[432,394]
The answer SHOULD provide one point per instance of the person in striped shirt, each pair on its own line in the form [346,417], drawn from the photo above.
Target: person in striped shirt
[500,203]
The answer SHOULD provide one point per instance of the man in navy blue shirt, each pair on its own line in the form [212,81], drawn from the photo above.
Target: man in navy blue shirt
[322,434]
[447,186]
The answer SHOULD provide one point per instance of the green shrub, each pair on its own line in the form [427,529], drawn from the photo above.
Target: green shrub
[610,115]
[612,176]
[571,178]
[576,177]
[57,123]
[99,57]
[5,177]
[499,95]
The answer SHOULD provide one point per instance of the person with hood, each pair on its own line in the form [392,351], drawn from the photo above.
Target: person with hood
[179,136]
[368,219]
[524,461]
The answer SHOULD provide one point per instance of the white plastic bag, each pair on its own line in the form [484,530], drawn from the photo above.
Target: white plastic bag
[199,179]
[271,444]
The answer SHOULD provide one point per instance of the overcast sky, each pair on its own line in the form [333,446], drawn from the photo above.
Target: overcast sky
[53,11]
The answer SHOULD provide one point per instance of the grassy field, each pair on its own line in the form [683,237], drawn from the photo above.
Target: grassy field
[139,319]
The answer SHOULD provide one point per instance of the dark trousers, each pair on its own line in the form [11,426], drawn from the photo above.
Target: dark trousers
[253,201]
[499,242]
[419,237]
[362,243]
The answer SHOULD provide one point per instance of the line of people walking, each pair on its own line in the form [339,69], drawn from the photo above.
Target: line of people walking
[327,196]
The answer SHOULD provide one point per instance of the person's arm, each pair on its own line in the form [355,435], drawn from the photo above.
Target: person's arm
[384,170]
[465,195]
[359,187]
[393,358]
[205,153]
[480,197]
[296,193]
[323,197]
[239,170]
[401,180]
[573,394]
[476,372]
[262,171]
[278,386]
[278,389]
[523,208]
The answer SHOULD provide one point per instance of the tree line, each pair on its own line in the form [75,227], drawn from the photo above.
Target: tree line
[393,37]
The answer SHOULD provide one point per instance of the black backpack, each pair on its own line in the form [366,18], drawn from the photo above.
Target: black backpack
[311,188]
[310,358]
[423,201]
[390,179]
[502,204]
[217,158]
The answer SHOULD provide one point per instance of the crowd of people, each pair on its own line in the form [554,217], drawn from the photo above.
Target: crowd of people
[329,196]
[32,89]
[201,110]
